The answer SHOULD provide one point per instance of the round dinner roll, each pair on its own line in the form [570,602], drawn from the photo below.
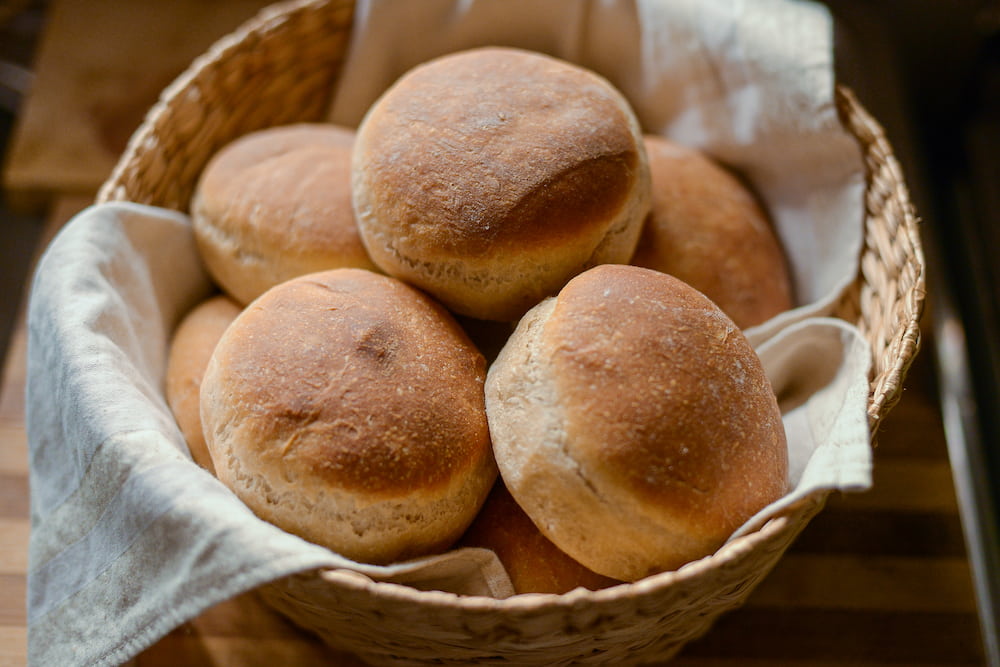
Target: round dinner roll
[190,349]
[532,562]
[347,408]
[708,229]
[633,422]
[490,177]
[276,204]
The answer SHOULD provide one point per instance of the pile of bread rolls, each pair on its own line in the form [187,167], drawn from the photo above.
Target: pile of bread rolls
[495,272]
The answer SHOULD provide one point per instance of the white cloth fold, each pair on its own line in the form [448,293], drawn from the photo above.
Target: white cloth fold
[130,538]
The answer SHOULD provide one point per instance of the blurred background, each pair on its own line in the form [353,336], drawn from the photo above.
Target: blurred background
[76,77]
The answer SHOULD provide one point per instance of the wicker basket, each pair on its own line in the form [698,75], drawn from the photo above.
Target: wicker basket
[281,67]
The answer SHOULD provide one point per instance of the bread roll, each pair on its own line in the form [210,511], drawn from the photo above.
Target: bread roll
[533,563]
[490,177]
[633,422]
[276,204]
[347,408]
[190,349]
[707,228]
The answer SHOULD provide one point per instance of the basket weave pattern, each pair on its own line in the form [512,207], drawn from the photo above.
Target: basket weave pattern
[888,297]
[280,68]
[650,619]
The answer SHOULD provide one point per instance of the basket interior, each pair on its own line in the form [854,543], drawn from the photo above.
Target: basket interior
[288,59]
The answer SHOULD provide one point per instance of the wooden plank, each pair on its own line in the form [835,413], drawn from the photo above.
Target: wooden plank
[196,650]
[849,530]
[14,534]
[12,382]
[843,637]
[878,583]
[14,452]
[13,496]
[99,67]
[13,646]
[917,485]
[699,661]
[14,589]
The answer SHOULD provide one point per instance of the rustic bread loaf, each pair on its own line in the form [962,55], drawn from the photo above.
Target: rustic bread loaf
[190,349]
[708,229]
[347,408]
[490,177]
[633,422]
[534,564]
[276,204]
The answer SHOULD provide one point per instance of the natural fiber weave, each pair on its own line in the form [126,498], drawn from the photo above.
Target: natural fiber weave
[281,67]
[887,299]
[648,620]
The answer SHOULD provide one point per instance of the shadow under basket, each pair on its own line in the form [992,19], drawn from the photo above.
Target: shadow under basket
[281,67]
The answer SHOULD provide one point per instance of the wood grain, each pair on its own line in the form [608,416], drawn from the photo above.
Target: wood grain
[100,65]
[876,579]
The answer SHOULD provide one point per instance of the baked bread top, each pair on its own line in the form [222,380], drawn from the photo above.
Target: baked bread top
[276,204]
[347,407]
[490,177]
[634,423]
[707,227]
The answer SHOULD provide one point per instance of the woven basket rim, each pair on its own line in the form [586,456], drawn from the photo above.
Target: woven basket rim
[536,602]
[880,160]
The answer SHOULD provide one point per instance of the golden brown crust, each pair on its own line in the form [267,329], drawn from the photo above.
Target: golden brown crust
[347,407]
[682,408]
[276,204]
[633,422]
[707,228]
[491,176]
[190,349]
[533,563]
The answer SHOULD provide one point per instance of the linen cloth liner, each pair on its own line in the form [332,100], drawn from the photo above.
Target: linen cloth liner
[130,538]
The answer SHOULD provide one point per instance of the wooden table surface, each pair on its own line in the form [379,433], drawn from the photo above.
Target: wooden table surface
[98,67]
[879,578]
